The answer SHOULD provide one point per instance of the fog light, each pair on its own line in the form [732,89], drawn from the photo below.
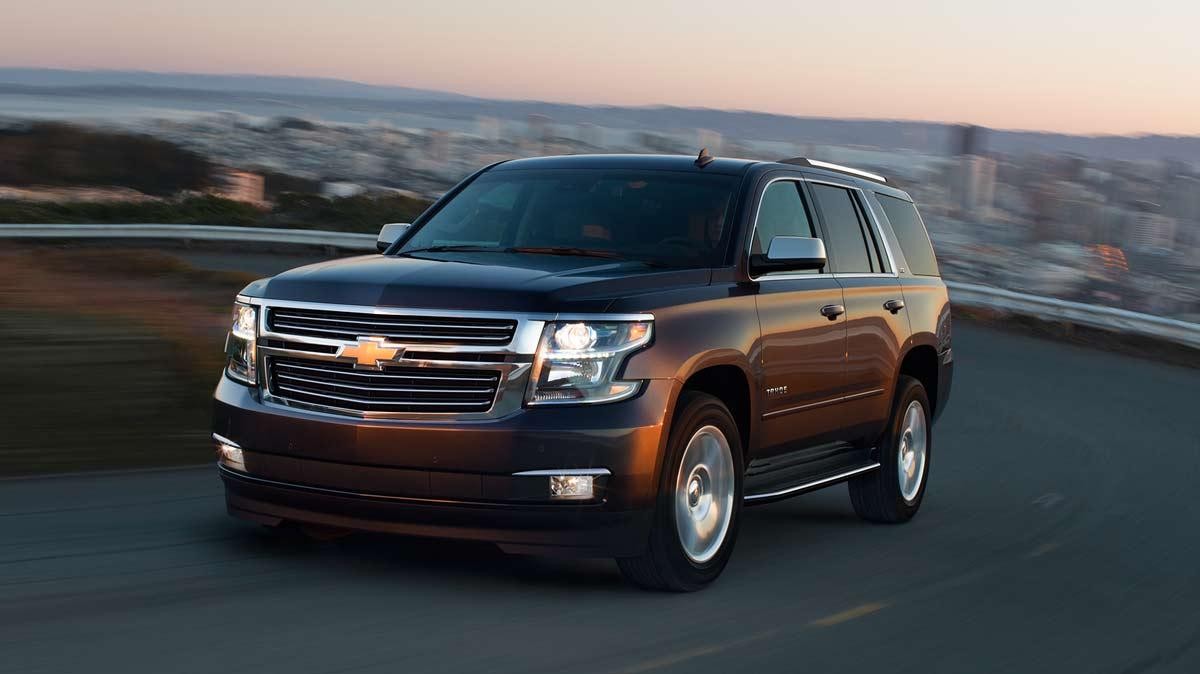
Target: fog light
[571,486]
[229,454]
[566,484]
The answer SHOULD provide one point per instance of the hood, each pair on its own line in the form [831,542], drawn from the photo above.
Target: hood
[475,281]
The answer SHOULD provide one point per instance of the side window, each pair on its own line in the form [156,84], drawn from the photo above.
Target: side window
[782,212]
[909,229]
[851,245]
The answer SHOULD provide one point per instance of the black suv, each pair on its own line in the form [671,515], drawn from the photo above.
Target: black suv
[601,356]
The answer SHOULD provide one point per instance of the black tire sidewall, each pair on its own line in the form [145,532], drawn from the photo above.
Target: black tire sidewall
[909,390]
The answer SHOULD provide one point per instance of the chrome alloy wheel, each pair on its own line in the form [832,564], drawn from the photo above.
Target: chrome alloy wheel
[913,451]
[704,490]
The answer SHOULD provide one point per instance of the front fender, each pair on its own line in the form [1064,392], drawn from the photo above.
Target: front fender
[718,328]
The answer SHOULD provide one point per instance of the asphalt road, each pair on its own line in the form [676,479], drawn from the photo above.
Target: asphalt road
[1060,534]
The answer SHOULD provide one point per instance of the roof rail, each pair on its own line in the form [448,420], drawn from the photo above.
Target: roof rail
[815,163]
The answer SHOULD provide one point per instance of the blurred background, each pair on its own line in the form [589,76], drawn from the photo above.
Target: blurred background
[1052,147]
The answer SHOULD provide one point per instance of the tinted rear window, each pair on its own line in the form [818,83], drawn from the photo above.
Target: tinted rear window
[914,241]
[844,229]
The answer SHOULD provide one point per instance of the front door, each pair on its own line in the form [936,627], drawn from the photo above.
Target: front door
[803,327]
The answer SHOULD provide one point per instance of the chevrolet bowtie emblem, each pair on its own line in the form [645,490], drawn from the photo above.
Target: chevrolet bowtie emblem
[370,352]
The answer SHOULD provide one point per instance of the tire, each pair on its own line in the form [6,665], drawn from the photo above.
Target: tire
[882,495]
[669,563]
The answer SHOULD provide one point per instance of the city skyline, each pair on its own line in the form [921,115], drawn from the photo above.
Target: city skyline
[1099,68]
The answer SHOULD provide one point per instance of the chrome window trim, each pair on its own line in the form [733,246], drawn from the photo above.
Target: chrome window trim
[514,370]
[563,471]
[877,227]
[872,222]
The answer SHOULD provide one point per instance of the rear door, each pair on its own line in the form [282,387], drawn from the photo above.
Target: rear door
[802,351]
[876,322]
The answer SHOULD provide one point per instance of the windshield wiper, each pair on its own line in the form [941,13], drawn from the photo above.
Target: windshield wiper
[585,252]
[535,250]
[567,250]
[460,247]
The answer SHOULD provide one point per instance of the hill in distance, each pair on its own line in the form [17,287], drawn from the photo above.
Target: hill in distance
[922,136]
[251,84]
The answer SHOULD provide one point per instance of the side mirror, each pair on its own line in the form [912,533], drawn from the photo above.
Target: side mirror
[790,253]
[389,234]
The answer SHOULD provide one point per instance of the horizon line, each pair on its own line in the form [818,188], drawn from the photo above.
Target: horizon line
[591,105]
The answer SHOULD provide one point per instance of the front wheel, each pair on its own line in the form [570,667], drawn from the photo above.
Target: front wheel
[699,500]
[894,492]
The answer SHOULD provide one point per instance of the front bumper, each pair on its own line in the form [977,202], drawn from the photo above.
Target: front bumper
[451,479]
[559,529]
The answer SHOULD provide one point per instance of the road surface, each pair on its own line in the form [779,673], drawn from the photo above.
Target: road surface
[1061,533]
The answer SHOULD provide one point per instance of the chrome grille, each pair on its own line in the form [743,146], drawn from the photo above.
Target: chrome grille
[396,328]
[338,385]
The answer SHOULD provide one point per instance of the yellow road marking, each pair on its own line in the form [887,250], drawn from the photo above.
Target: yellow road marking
[848,614]
[684,656]
[674,659]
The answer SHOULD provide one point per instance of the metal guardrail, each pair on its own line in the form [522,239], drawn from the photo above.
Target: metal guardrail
[1091,315]
[305,237]
[966,294]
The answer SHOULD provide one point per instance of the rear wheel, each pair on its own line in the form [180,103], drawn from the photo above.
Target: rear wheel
[894,492]
[699,500]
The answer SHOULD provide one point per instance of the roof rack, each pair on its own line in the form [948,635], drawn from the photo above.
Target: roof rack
[815,163]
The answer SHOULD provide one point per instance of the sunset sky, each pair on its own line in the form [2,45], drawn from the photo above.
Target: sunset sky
[1102,66]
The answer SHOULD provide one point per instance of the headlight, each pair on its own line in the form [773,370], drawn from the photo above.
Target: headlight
[239,344]
[578,361]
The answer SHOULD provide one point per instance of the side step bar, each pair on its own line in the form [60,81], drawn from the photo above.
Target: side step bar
[796,490]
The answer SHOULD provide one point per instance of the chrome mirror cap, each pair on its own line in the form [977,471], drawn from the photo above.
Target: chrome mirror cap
[789,253]
[799,250]
[389,234]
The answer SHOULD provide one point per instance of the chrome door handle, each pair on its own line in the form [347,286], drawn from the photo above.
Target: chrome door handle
[832,311]
[894,306]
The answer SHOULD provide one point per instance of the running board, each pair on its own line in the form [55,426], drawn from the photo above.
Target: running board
[808,486]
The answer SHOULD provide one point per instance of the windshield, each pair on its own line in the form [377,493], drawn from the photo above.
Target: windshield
[661,218]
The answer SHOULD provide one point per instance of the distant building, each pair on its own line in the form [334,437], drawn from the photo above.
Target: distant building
[240,186]
[341,189]
[487,128]
[365,164]
[967,139]
[1183,199]
[976,185]
[1152,232]
[437,145]
[1183,204]
[540,128]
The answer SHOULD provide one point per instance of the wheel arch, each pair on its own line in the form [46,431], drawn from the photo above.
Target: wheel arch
[730,384]
[920,361]
[725,374]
